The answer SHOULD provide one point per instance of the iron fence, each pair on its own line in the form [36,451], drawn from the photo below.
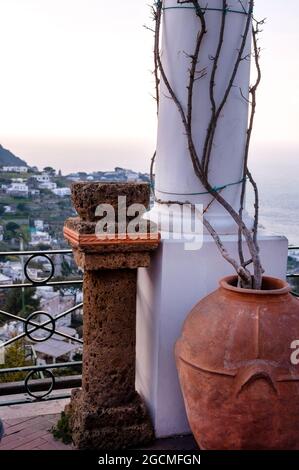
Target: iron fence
[40,381]
[294,275]
[38,270]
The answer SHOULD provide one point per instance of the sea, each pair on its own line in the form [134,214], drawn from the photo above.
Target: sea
[278,183]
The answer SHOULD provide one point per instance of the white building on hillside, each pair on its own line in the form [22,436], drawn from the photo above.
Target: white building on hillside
[14,169]
[9,210]
[18,180]
[132,175]
[34,192]
[39,224]
[18,189]
[47,185]
[62,192]
[43,178]
[4,280]
[38,238]
[12,269]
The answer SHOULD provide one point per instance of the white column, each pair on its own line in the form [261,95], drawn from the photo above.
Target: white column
[177,279]
[175,178]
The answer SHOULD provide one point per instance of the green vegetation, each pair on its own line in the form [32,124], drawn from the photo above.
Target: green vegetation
[20,303]
[12,230]
[15,356]
[50,170]
[46,206]
[7,177]
[62,429]
[67,371]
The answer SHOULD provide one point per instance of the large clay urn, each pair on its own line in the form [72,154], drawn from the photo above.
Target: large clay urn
[240,386]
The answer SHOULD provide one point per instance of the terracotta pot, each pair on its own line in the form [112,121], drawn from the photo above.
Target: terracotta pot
[240,387]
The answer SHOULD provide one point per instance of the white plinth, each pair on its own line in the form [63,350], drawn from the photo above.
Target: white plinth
[174,283]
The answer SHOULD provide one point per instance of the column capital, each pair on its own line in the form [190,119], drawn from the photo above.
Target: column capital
[117,247]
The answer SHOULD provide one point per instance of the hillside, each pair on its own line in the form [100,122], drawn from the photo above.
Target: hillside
[9,159]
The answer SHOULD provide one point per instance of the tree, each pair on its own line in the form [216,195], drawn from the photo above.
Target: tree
[51,171]
[12,227]
[21,207]
[14,302]
[12,231]
[43,247]
[66,269]
[15,356]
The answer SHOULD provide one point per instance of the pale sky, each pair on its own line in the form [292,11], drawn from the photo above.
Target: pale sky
[75,82]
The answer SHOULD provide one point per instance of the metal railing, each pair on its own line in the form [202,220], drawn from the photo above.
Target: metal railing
[39,380]
[46,381]
[291,276]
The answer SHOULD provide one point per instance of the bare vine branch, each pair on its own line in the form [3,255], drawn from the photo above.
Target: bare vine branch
[246,172]
[214,119]
[152,173]
[201,166]
[156,48]
[194,61]
[242,272]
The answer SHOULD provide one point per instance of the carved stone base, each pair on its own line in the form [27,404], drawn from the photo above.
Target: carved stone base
[113,428]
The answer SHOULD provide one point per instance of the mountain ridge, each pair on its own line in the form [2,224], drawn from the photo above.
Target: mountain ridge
[7,158]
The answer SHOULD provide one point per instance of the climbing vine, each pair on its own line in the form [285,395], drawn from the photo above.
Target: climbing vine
[201,162]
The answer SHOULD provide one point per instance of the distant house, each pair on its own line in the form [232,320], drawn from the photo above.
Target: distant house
[112,176]
[43,178]
[74,177]
[47,185]
[38,238]
[57,347]
[11,329]
[39,225]
[9,210]
[51,300]
[18,180]
[14,169]
[131,175]
[12,269]
[4,280]
[62,192]
[18,190]
[34,192]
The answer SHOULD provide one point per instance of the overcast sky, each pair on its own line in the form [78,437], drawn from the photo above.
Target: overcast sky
[75,82]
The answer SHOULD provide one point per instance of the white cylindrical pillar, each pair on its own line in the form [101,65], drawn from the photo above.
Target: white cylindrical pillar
[175,177]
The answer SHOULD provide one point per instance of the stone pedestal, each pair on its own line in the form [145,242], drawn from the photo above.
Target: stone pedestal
[108,413]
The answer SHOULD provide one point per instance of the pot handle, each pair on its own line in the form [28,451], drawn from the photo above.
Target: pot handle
[250,374]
